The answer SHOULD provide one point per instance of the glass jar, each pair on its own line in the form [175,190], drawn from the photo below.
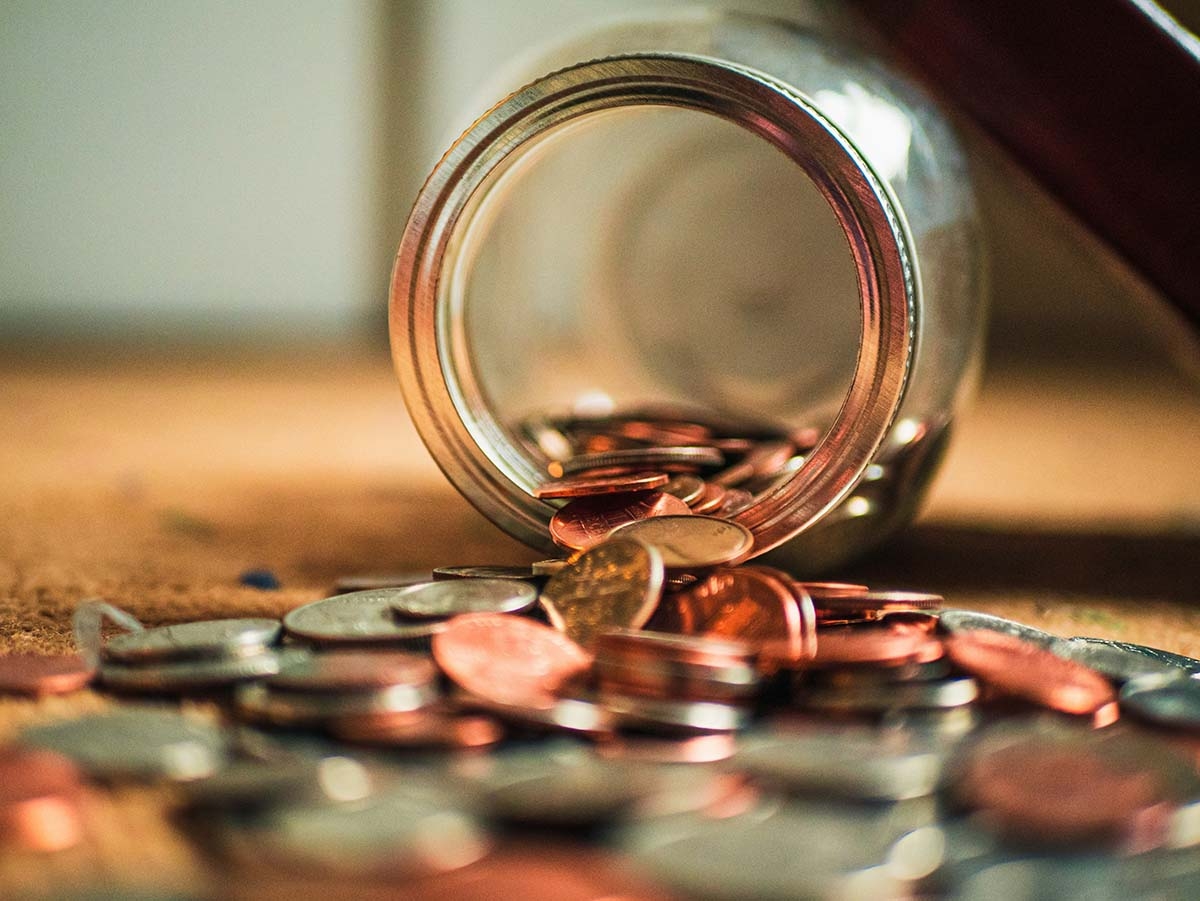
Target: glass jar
[698,210]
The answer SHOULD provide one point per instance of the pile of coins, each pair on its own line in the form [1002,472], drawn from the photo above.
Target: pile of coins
[650,715]
[735,733]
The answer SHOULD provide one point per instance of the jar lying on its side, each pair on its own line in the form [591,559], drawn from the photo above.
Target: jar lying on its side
[716,218]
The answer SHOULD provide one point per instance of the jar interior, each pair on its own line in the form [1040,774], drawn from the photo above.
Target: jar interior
[652,256]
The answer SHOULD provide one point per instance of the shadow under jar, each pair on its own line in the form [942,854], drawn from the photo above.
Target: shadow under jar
[705,218]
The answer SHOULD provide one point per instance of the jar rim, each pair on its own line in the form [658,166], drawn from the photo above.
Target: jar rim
[475,451]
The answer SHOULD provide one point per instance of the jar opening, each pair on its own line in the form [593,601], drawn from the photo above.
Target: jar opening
[652,231]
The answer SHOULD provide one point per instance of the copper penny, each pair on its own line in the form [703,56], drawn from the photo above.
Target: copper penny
[586,521]
[688,488]
[1019,668]
[43,674]
[40,794]
[507,659]
[1062,793]
[710,499]
[429,730]
[765,458]
[821,590]
[616,584]
[874,646]
[750,604]
[584,486]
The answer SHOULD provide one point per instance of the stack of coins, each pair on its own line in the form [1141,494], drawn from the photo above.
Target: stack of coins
[187,657]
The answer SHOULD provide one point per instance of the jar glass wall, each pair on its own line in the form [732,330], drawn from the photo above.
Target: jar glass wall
[684,246]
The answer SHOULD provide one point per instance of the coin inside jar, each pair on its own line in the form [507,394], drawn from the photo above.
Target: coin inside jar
[583,486]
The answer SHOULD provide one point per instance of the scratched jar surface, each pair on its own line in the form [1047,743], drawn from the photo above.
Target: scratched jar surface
[751,220]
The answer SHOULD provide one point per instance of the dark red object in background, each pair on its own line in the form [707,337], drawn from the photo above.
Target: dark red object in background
[1099,99]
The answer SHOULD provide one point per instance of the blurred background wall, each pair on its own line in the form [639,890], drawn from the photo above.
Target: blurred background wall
[233,171]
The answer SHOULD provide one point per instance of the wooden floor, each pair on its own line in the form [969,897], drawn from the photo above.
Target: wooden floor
[1070,500]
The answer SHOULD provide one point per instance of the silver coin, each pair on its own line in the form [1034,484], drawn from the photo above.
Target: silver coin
[397,835]
[183,641]
[691,541]
[1168,658]
[247,785]
[660,715]
[853,762]
[585,793]
[1170,700]
[138,744]
[192,675]
[957,691]
[277,707]
[568,715]
[451,597]
[513,573]
[551,567]
[358,618]
[970,620]
[1110,659]
[645,458]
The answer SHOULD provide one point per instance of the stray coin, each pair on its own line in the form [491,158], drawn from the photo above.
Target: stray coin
[573,716]
[194,640]
[583,486]
[261,703]
[670,716]
[583,793]
[133,743]
[1171,700]
[451,597]
[433,730]
[587,521]
[955,621]
[358,618]
[182,676]
[517,573]
[1111,659]
[253,785]
[43,674]
[940,694]
[507,659]
[691,541]
[1169,658]
[40,794]
[616,584]
[1017,667]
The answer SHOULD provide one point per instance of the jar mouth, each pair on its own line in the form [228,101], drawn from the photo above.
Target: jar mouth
[476,451]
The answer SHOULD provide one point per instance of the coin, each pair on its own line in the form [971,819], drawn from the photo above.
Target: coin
[1171,700]
[874,645]
[708,748]
[954,621]
[134,743]
[1042,791]
[675,666]
[664,715]
[433,730]
[354,670]
[1017,667]
[573,716]
[40,794]
[253,785]
[940,694]
[549,567]
[710,499]
[613,585]
[645,458]
[43,674]
[519,573]
[764,458]
[1111,659]
[584,486]
[182,676]
[584,793]
[1178,661]
[691,541]
[750,604]
[688,488]
[395,835]
[283,707]
[507,659]
[852,762]
[587,521]
[181,641]
[439,600]
[361,617]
